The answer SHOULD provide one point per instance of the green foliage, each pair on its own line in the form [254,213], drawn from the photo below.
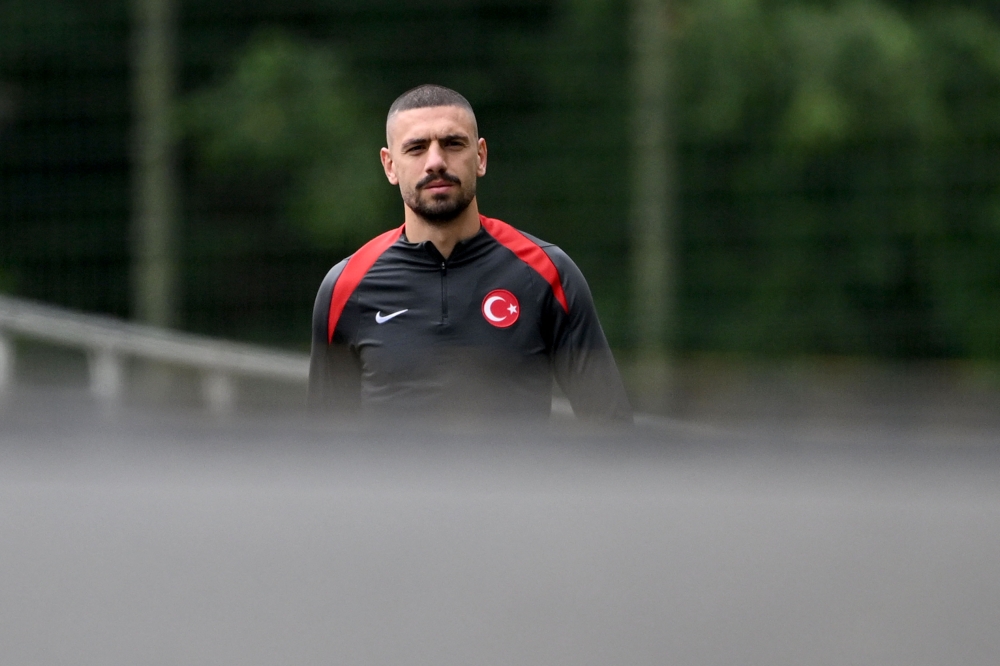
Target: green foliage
[835,160]
[838,160]
[289,113]
[821,76]
[7,283]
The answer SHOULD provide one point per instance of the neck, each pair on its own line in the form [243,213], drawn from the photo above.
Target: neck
[444,236]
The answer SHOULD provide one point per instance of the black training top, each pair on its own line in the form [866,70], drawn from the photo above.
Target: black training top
[399,329]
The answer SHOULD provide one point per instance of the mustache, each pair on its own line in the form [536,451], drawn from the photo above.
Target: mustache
[430,178]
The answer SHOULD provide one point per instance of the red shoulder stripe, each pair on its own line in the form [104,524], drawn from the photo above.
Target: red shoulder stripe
[528,252]
[356,268]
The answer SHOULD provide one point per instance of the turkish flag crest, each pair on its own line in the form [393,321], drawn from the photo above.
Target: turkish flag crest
[501,308]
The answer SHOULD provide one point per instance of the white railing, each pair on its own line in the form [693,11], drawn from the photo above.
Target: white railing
[108,341]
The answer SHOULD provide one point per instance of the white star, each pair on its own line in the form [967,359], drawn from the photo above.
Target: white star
[512,309]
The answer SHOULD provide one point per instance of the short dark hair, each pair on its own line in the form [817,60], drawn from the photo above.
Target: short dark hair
[427,95]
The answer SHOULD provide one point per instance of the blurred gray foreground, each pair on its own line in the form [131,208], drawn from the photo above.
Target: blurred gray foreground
[155,536]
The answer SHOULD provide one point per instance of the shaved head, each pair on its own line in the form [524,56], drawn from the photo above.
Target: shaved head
[425,96]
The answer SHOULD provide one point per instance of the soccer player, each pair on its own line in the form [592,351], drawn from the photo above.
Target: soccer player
[454,312]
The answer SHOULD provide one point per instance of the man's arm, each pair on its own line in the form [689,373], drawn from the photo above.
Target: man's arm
[581,358]
[334,371]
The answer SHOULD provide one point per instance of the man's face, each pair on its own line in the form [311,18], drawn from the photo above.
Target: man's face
[435,157]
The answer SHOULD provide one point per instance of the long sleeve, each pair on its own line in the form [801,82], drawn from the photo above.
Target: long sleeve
[334,371]
[581,358]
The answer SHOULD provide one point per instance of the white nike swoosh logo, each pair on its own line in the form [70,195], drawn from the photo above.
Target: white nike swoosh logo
[379,319]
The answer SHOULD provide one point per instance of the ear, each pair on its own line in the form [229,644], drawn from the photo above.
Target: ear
[481,156]
[389,166]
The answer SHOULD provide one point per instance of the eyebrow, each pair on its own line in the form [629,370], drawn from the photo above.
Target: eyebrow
[448,137]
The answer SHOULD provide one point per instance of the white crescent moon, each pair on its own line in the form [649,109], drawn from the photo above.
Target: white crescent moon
[488,308]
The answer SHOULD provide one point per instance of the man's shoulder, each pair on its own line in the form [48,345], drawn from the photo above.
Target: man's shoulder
[546,258]
[357,264]
[334,273]
[341,280]
[526,246]
[373,249]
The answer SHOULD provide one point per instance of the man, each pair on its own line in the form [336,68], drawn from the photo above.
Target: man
[455,313]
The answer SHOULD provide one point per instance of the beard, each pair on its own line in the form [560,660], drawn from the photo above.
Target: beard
[440,209]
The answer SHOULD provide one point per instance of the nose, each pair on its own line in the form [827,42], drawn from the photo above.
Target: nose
[435,159]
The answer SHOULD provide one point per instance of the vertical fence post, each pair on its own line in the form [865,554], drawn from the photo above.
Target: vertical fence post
[652,201]
[154,204]
[154,267]
[154,189]
[106,376]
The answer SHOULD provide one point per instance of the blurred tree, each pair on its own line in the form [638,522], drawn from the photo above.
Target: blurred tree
[820,166]
[7,282]
[287,112]
[8,107]
[64,196]
[838,176]
[964,271]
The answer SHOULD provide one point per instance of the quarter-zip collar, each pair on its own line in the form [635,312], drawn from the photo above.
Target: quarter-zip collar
[466,251]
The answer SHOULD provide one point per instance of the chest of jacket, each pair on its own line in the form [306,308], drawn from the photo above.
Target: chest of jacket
[486,304]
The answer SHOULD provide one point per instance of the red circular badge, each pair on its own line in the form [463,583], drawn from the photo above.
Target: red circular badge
[501,308]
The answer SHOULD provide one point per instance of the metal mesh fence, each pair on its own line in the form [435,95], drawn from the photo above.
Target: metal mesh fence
[852,208]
